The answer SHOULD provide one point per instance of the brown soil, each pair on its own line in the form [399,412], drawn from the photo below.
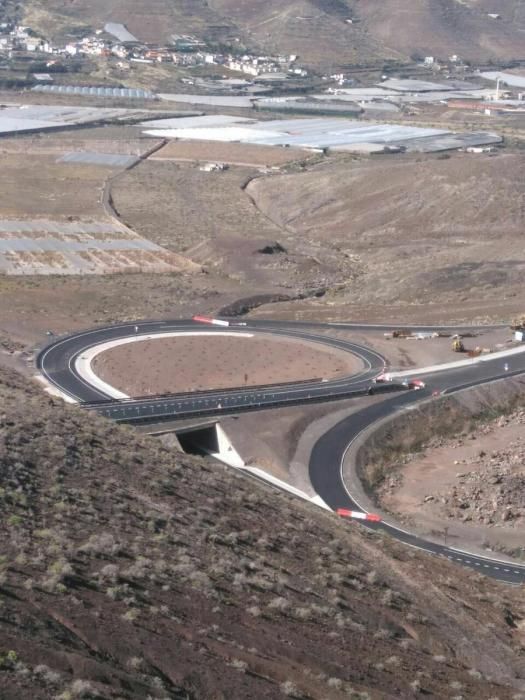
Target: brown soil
[232,153]
[210,219]
[53,189]
[437,254]
[131,571]
[497,310]
[412,230]
[118,140]
[193,363]
[471,483]
[57,189]
[32,305]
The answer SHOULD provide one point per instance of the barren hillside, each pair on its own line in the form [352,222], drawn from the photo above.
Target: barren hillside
[317,31]
[149,20]
[131,571]
[426,230]
[444,27]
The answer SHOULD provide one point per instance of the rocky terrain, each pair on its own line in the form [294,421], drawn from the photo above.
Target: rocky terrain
[130,571]
[455,470]
[489,487]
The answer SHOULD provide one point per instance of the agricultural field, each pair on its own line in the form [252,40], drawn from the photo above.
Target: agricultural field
[250,156]
[60,222]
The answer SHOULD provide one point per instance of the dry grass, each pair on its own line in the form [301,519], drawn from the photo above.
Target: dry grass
[129,585]
[50,189]
[429,230]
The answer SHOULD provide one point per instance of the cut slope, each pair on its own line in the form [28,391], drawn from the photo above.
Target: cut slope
[131,571]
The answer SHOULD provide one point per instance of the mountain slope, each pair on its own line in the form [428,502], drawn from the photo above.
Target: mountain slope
[435,230]
[150,20]
[317,31]
[131,571]
[444,27]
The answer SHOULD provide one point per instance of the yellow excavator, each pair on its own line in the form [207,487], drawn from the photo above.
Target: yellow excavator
[457,344]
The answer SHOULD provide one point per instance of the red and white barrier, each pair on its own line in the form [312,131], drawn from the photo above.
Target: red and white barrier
[345,513]
[414,384]
[210,321]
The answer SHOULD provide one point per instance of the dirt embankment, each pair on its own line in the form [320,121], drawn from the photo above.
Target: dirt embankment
[467,481]
[247,155]
[488,485]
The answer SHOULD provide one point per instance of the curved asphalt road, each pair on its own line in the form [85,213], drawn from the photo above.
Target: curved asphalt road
[327,457]
[57,363]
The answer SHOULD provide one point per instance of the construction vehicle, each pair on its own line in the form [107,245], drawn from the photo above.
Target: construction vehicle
[457,344]
[517,324]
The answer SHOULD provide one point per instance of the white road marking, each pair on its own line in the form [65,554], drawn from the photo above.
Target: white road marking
[134,338]
[83,362]
[460,363]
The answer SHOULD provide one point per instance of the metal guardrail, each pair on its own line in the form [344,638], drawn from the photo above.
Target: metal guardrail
[199,393]
[173,415]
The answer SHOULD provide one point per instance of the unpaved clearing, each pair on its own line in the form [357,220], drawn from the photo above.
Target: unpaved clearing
[233,153]
[411,238]
[469,488]
[191,363]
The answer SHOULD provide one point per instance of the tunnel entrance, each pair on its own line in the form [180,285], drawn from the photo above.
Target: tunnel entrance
[210,440]
[199,441]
